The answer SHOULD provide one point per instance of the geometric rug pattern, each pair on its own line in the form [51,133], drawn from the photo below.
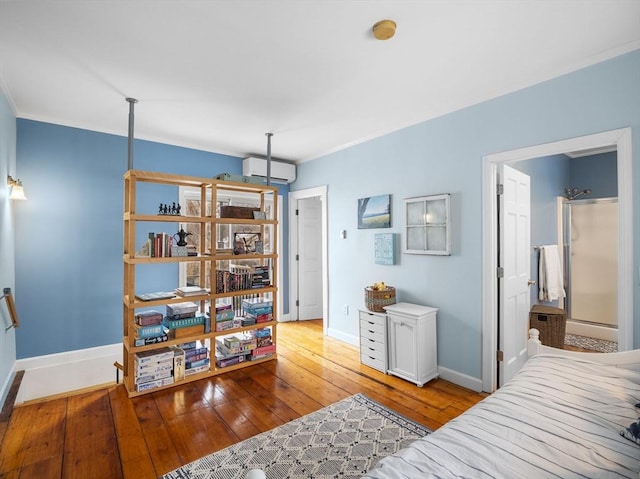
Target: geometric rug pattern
[592,344]
[344,439]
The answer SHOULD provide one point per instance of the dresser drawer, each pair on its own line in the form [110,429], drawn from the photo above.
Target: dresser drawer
[373,362]
[373,352]
[370,325]
[367,333]
[373,318]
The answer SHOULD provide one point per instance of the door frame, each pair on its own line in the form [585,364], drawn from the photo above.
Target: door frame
[294,196]
[621,139]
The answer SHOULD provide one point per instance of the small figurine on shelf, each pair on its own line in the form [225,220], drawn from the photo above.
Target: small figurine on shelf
[182,237]
[166,209]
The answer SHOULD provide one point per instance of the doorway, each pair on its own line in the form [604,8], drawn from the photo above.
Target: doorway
[308,288]
[621,140]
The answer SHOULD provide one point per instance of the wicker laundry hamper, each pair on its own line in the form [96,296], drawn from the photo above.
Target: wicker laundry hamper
[551,322]
[377,299]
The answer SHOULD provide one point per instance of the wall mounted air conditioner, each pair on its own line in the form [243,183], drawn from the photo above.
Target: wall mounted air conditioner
[280,172]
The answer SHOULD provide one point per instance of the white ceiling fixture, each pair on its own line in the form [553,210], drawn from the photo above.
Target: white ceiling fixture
[216,75]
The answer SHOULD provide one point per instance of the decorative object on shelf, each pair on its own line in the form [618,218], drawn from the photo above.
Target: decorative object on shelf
[244,243]
[427,225]
[182,235]
[259,215]
[374,212]
[170,210]
[240,212]
[379,295]
[17,191]
[385,248]
[259,247]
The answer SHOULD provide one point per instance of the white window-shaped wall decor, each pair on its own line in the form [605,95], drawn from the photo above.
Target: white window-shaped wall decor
[427,228]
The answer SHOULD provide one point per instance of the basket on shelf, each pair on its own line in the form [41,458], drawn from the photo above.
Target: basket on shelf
[377,299]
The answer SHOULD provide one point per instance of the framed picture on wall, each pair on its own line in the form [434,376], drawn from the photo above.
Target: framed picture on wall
[374,212]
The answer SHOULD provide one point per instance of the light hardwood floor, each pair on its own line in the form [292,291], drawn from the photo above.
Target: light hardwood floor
[104,434]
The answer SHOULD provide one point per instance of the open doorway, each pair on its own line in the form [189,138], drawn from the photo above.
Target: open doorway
[308,288]
[621,140]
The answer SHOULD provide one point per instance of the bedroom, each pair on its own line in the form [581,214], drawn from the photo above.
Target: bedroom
[440,155]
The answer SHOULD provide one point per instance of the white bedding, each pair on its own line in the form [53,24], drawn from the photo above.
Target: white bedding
[558,418]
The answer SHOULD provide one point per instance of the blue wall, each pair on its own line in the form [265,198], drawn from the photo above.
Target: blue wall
[7,265]
[69,233]
[445,155]
[599,173]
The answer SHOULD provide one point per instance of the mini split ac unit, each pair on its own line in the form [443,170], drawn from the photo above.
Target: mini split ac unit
[280,172]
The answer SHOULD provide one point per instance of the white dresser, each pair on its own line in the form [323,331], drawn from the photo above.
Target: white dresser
[411,341]
[373,339]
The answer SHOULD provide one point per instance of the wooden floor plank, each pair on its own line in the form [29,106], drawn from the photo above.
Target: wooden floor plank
[104,433]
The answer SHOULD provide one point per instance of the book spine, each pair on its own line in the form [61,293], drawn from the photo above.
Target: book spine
[181,323]
[152,340]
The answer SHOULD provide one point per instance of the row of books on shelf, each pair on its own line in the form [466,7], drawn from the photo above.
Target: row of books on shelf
[238,278]
[161,245]
[164,366]
[183,320]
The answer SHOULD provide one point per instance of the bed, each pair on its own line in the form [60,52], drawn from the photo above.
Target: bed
[561,416]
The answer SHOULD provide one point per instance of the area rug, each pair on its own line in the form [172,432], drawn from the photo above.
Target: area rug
[345,439]
[592,344]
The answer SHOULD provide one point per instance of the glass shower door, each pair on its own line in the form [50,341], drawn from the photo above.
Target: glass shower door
[593,262]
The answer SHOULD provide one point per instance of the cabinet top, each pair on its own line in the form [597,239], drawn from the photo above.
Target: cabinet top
[410,309]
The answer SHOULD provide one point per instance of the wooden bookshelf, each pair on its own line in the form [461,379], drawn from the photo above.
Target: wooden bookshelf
[208,257]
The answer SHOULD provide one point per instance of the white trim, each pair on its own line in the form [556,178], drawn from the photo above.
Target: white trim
[344,337]
[592,330]
[294,196]
[621,138]
[58,373]
[460,379]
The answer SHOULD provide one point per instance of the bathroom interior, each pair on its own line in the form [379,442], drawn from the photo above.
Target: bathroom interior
[574,205]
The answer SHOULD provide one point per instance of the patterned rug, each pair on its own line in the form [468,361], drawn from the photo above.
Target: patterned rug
[345,439]
[592,344]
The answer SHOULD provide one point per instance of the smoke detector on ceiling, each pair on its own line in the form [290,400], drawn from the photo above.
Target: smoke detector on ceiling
[384,29]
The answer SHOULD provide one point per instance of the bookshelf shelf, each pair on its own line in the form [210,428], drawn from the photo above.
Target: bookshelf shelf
[233,284]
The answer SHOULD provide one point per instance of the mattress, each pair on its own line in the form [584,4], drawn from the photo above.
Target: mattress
[558,418]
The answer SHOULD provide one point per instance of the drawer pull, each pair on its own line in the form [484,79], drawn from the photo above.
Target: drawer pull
[371,331]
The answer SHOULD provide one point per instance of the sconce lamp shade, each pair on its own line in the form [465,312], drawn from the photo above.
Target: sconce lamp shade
[17,190]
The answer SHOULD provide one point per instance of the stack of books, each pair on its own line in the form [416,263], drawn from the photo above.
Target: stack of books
[257,310]
[260,278]
[264,344]
[182,320]
[149,328]
[224,317]
[153,369]
[186,291]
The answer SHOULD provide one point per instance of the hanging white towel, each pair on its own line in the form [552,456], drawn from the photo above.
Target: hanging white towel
[550,276]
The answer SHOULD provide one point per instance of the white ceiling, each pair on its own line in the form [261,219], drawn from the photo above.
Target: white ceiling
[217,75]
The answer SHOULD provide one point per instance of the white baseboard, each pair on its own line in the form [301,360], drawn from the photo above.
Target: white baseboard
[69,371]
[592,331]
[347,338]
[460,379]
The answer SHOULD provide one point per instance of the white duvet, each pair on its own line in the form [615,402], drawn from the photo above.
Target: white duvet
[559,418]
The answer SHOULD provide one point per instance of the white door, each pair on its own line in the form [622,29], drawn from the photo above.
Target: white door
[515,259]
[309,258]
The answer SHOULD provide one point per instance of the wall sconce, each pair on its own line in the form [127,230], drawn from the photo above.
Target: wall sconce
[17,191]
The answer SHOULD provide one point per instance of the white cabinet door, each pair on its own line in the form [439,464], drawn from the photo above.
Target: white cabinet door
[412,342]
[402,353]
